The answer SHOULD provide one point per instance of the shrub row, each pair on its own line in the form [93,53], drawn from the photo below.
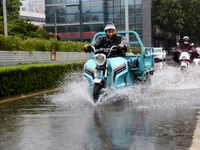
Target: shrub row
[12,43]
[23,78]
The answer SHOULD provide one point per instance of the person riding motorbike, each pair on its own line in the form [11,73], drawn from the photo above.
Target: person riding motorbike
[109,40]
[186,46]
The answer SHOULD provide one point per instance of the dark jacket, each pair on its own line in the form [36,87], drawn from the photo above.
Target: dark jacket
[104,41]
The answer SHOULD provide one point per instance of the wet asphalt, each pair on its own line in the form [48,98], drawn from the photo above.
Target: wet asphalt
[160,116]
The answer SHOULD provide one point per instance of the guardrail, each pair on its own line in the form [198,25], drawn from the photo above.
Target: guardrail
[22,56]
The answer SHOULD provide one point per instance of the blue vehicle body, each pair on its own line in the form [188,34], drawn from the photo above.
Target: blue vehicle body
[120,71]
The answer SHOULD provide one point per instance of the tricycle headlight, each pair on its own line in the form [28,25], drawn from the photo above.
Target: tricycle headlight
[100,59]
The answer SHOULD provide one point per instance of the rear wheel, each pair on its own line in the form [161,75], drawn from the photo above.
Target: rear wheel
[183,68]
[97,91]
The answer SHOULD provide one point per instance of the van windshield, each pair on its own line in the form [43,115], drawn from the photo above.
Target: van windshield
[157,50]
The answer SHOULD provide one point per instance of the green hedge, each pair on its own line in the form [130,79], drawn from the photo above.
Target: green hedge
[23,78]
[14,43]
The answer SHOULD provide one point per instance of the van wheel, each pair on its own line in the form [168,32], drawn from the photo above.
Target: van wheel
[148,79]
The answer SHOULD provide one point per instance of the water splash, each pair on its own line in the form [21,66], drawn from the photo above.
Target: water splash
[169,88]
[171,78]
[75,92]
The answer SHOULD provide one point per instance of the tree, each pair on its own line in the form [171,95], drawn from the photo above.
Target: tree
[12,7]
[180,17]
[23,28]
[19,26]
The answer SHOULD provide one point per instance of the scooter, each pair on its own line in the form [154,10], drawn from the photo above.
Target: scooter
[106,72]
[184,59]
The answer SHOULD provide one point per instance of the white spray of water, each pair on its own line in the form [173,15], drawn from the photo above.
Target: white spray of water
[168,88]
[171,78]
[75,92]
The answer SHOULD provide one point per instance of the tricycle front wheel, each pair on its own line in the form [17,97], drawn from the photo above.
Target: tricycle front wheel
[96,91]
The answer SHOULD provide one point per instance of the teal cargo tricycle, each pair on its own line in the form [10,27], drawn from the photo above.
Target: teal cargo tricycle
[105,72]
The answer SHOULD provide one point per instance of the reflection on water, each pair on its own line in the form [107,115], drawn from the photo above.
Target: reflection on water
[125,129]
[154,117]
[112,126]
[130,129]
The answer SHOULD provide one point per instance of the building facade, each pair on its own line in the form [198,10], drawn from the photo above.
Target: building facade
[91,16]
[34,10]
[36,6]
[36,18]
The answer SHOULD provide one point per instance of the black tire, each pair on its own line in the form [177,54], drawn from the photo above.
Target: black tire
[96,91]
[183,69]
[148,79]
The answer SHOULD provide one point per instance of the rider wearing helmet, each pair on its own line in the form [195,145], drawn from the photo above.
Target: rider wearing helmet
[187,46]
[108,40]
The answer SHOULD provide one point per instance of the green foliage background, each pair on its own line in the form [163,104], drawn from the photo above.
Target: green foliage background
[18,26]
[15,43]
[180,17]
[12,7]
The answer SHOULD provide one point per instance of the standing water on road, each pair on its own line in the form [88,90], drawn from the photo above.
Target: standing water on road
[161,115]
[166,83]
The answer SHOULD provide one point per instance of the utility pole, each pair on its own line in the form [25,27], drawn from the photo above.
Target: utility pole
[81,22]
[5,18]
[126,20]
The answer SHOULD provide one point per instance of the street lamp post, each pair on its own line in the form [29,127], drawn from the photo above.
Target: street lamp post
[5,18]
[126,20]
[81,21]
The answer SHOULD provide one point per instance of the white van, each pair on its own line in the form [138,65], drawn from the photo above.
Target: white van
[196,61]
[198,50]
[159,53]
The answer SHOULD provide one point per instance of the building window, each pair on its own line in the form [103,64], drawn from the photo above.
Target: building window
[138,2]
[98,17]
[95,14]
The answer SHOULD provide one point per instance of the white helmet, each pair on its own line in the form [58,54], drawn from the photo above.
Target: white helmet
[109,25]
[186,38]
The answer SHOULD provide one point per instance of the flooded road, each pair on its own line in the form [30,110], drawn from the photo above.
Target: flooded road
[158,116]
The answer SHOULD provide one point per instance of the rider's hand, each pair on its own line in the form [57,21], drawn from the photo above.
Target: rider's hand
[86,48]
[121,45]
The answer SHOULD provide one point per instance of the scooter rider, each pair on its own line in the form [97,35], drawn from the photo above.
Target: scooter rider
[109,40]
[186,46]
